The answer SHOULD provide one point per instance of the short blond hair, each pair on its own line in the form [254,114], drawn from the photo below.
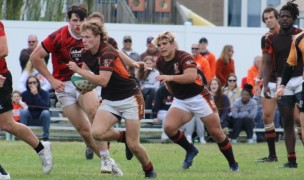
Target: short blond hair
[96,27]
[164,35]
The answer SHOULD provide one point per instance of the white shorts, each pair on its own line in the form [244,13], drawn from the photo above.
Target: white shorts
[69,96]
[132,108]
[273,87]
[161,115]
[294,86]
[197,105]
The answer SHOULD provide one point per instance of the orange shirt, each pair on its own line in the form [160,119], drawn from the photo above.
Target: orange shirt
[223,70]
[293,54]
[212,62]
[203,65]
[16,111]
[251,74]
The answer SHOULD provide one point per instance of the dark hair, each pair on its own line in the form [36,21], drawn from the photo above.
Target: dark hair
[231,75]
[80,10]
[219,94]
[268,10]
[37,80]
[203,40]
[248,88]
[292,8]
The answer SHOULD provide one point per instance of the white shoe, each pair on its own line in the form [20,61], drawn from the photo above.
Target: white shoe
[46,157]
[189,138]
[116,171]
[234,141]
[5,177]
[105,165]
[250,141]
[202,140]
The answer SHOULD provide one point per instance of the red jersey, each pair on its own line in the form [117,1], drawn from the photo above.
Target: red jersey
[181,61]
[64,48]
[120,85]
[3,67]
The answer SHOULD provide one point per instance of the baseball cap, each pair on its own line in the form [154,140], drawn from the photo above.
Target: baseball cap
[150,39]
[203,39]
[127,37]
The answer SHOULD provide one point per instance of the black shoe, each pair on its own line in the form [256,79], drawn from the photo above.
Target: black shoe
[189,158]
[89,154]
[129,154]
[150,174]
[267,159]
[234,167]
[290,165]
[45,139]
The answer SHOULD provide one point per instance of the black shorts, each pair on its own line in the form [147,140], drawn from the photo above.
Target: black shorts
[6,94]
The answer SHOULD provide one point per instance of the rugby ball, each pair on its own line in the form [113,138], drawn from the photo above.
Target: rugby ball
[81,83]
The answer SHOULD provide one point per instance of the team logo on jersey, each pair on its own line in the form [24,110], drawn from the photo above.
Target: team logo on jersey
[75,54]
[107,62]
[176,69]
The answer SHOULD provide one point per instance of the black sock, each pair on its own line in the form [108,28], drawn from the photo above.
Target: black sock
[270,137]
[39,147]
[180,139]
[148,168]
[122,137]
[292,158]
[226,148]
[2,171]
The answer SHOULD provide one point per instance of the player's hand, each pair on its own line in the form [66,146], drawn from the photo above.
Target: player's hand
[57,85]
[73,66]
[2,80]
[164,78]
[280,91]
[267,92]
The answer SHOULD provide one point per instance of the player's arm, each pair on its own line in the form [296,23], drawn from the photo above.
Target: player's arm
[3,47]
[130,62]
[188,77]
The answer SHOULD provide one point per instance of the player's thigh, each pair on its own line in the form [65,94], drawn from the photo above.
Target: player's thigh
[77,116]
[103,121]
[132,131]
[89,102]
[176,118]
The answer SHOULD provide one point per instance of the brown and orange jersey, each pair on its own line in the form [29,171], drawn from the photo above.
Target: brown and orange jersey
[296,53]
[181,61]
[120,85]
[278,45]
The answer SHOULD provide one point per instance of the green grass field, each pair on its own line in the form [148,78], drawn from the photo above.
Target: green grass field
[70,163]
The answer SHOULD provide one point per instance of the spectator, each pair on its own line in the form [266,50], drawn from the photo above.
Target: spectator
[162,102]
[18,105]
[201,62]
[127,48]
[32,41]
[225,64]
[152,50]
[244,111]
[231,89]
[253,71]
[203,43]
[221,102]
[31,71]
[148,82]
[38,100]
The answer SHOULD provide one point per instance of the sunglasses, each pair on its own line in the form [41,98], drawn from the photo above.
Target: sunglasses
[195,48]
[32,82]
[231,80]
[31,41]
[127,40]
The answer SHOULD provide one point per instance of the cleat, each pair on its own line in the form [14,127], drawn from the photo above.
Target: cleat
[290,165]
[46,157]
[105,165]
[234,167]
[116,171]
[89,154]
[150,174]
[129,154]
[5,176]
[267,159]
[189,158]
